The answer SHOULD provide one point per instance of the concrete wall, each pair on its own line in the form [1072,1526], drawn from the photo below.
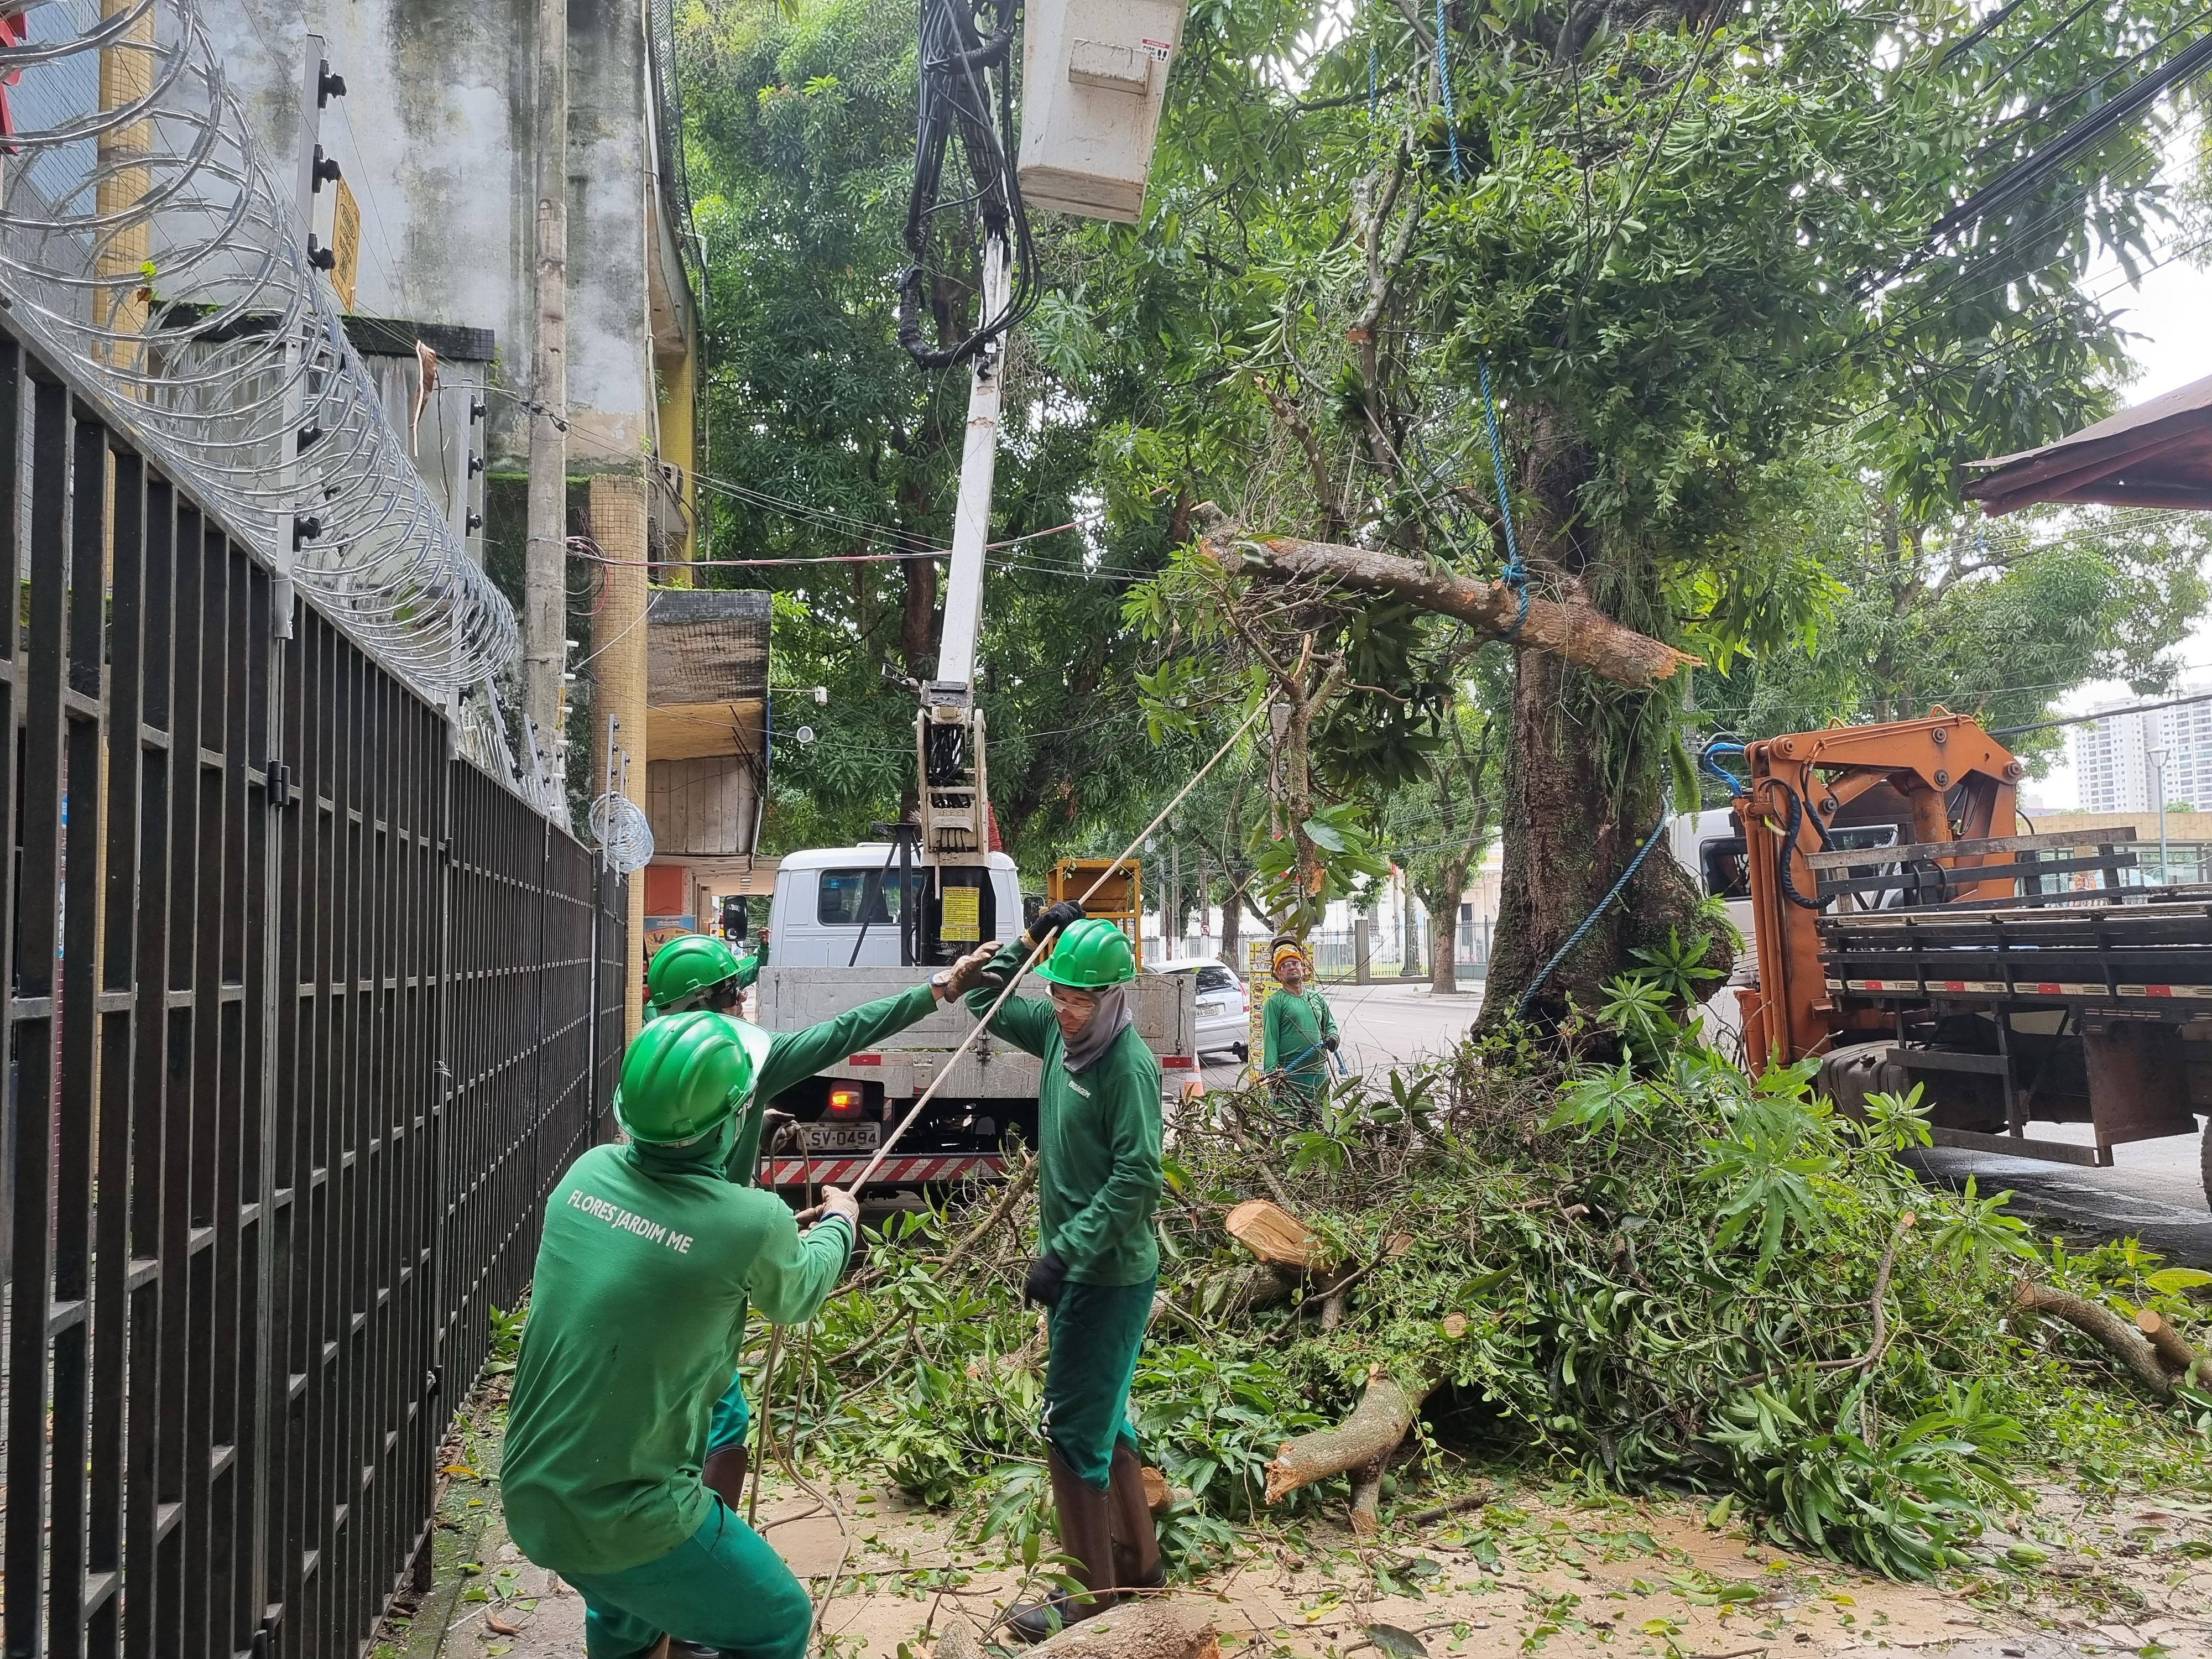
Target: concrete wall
[435,135]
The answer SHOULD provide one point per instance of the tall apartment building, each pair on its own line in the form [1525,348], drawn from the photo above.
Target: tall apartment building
[2113,764]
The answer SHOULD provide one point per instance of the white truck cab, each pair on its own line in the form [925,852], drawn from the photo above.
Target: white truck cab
[835,942]
[833,901]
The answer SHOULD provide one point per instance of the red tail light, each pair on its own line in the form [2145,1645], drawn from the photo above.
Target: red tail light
[844,1105]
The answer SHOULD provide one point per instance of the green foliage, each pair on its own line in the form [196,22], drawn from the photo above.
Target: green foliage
[1662,1277]
[506,1340]
[800,149]
[1905,1505]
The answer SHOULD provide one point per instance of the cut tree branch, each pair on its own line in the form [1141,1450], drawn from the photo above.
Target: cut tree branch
[2119,1338]
[1575,633]
[1366,1437]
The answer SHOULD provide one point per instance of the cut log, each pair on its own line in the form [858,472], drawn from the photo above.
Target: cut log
[1158,1496]
[2171,1348]
[1576,633]
[2119,1338]
[1278,1238]
[1143,1629]
[1369,1435]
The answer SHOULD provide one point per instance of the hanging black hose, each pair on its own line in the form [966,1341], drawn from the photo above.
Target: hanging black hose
[1798,812]
[967,94]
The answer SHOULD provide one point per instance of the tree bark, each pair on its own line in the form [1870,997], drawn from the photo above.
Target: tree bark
[1369,1434]
[2117,1337]
[1578,633]
[1572,825]
[1143,1629]
[1365,1516]
[1443,944]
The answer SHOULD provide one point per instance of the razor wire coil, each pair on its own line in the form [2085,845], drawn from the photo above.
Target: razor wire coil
[619,825]
[144,237]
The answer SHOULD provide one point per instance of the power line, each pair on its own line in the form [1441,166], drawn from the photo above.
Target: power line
[2102,714]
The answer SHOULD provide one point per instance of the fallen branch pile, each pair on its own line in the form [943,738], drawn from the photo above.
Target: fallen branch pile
[1676,1280]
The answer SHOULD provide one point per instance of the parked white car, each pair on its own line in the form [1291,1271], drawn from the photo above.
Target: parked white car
[1224,1008]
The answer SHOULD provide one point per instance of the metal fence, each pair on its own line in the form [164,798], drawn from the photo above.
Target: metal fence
[304,1014]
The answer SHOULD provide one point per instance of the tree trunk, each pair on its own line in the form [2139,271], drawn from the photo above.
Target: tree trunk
[918,617]
[1443,960]
[1576,632]
[1569,833]
[1409,930]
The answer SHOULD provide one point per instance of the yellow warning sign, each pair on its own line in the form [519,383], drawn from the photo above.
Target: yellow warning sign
[345,242]
[962,921]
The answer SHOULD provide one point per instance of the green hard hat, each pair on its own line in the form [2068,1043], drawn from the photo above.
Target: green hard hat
[1091,955]
[684,1074]
[685,969]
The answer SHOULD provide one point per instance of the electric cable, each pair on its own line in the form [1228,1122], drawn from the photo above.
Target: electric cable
[967,94]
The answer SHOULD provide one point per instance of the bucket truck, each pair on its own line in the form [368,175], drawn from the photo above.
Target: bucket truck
[847,924]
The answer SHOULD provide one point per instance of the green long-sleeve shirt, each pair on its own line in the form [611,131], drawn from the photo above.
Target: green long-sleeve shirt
[1292,1026]
[648,1260]
[794,1056]
[1099,1141]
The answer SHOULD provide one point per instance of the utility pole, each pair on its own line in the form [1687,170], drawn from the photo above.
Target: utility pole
[2158,777]
[544,618]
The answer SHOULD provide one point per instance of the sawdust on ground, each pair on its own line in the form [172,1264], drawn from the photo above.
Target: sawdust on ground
[1528,1573]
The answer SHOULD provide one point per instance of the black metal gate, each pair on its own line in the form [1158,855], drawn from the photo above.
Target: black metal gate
[304,1014]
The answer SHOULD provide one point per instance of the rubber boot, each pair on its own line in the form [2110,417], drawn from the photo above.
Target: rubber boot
[724,1475]
[1137,1564]
[1083,1516]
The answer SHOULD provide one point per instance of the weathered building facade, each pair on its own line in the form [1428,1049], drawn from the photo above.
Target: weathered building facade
[437,244]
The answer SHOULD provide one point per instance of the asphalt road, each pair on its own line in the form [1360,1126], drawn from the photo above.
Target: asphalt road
[2154,1190]
[1382,1025]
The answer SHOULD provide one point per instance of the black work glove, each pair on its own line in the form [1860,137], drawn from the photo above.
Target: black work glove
[1062,916]
[1329,1043]
[1046,1274]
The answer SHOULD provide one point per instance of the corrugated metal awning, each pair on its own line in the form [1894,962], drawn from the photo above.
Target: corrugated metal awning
[2157,454]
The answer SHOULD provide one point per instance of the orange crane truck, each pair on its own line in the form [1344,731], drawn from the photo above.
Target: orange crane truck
[1903,936]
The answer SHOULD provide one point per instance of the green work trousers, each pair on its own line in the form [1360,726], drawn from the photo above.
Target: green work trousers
[725,1589]
[1096,1331]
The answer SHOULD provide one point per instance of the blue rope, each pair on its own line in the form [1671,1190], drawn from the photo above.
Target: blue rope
[1521,1008]
[1370,80]
[1444,80]
[1515,574]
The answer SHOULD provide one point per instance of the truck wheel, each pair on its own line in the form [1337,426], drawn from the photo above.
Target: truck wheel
[1243,1052]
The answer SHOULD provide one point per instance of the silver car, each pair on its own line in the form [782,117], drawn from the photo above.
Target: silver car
[1225,1010]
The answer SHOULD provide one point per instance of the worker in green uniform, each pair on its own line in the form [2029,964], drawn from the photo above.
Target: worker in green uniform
[1297,1031]
[1098,1182]
[651,1253]
[697,970]
[782,1061]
